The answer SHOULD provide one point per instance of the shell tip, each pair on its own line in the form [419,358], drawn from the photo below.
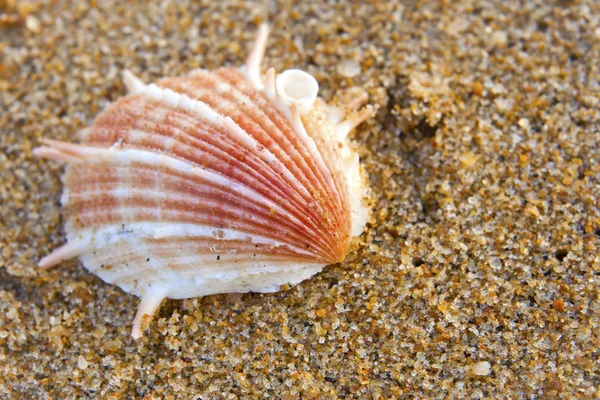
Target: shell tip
[132,82]
[59,151]
[48,262]
[257,54]
[345,127]
[150,303]
[50,153]
[64,252]
[39,151]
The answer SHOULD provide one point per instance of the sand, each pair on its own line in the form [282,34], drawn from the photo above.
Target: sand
[478,276]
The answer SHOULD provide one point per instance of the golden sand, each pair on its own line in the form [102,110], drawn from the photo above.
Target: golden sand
[484,244]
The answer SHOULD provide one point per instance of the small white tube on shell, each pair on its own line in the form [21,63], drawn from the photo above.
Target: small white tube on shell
[297,87]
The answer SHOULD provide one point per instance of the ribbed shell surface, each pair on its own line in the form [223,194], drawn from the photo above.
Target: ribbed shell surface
[203,202]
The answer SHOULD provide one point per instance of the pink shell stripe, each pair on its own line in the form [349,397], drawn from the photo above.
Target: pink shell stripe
[218,181]
[162,140]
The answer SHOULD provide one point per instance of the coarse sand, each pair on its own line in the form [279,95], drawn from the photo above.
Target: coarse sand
[478,275]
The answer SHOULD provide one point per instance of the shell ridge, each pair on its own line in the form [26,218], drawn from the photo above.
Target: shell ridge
[264,153]
[245,103]
[137,134]
[251,229]
[169,97]
[174,85]
[173,99]
[127,156]
[164,195]
[346,162]
[285,222]
[304,140]
[308,214]
[171,230]
[302,135]
[106,236]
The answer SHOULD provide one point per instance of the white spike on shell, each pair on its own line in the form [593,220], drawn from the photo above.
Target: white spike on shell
[217,182]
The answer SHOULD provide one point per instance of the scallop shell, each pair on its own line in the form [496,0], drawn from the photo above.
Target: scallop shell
[216,182]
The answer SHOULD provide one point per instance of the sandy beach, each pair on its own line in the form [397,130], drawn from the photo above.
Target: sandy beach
[478,276]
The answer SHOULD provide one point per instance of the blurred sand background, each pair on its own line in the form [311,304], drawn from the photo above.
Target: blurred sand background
[484,243]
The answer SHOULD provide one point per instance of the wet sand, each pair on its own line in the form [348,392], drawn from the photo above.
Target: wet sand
[482,251]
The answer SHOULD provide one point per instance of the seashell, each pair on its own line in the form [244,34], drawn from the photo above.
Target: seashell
[224,181]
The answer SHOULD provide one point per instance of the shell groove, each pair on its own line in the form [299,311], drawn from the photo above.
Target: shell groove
[214,182]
